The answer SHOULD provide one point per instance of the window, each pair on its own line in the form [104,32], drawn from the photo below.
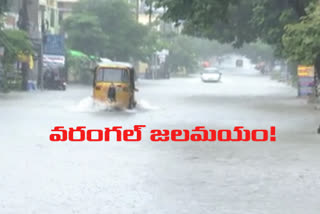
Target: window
[112,75]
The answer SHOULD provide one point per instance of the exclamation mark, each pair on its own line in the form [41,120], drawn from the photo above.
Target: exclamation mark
[273,134]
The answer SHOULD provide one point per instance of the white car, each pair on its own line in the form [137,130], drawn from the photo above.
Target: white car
[211,75]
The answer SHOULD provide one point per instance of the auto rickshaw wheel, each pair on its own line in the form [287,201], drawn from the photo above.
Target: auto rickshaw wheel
[131,104]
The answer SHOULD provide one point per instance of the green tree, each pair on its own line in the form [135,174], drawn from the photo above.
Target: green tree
[182,54]
[234,28]
[271,17]
[302,40]
[236,22]
[85,33]
[186,51]
[257,52]
[153,41]
[114,21]
[205,49]
[15,42]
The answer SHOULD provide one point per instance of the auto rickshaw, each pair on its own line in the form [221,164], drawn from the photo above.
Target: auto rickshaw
[114,84]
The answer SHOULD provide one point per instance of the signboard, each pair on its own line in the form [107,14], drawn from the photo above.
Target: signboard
[54,45]
[305,71]
[306,81]
[53,61]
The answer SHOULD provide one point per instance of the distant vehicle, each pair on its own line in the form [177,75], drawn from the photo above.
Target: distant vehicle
[211,75]
[205,64]
[239,63]
[54,62]
[55,79]
[262,67]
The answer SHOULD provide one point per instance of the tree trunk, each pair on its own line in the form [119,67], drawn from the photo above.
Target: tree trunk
[317,75]
[25,76]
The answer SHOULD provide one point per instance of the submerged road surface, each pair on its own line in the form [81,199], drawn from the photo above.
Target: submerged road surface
[38,176]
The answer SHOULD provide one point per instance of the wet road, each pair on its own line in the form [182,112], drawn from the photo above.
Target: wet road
[37,176]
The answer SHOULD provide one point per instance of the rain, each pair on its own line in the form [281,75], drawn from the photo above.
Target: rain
[172,88]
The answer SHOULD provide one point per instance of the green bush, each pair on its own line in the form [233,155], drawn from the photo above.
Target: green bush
[15,42]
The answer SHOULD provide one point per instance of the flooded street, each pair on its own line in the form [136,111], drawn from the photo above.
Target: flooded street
[38,176]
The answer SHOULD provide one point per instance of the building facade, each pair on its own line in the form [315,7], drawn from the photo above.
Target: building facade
[148,15]
[39,17]
[49,16]
[65,9]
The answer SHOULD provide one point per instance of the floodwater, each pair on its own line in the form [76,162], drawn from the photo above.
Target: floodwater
[38,176]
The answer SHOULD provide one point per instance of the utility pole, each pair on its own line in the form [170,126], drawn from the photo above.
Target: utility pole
[150,11]
[23,24]
[42,44]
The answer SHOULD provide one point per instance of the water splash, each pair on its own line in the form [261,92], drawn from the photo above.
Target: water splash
[88,104]
[145,105]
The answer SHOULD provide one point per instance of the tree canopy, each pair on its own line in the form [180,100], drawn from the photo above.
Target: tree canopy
[236,21]
[15,42]
[186,51]
[302,40]
[89,40]
[107,27]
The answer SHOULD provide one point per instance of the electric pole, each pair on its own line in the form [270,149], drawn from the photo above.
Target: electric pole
[23,24]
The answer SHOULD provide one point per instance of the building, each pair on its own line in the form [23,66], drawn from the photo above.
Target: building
[49,16]
[152,15]
[38,11]
[23,14]
[148,15]
[39,17]
[156,67]
[12,15]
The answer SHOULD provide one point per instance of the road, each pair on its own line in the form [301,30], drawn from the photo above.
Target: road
[38,176]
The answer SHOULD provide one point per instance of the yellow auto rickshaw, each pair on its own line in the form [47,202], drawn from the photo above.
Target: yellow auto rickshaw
[114,83]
